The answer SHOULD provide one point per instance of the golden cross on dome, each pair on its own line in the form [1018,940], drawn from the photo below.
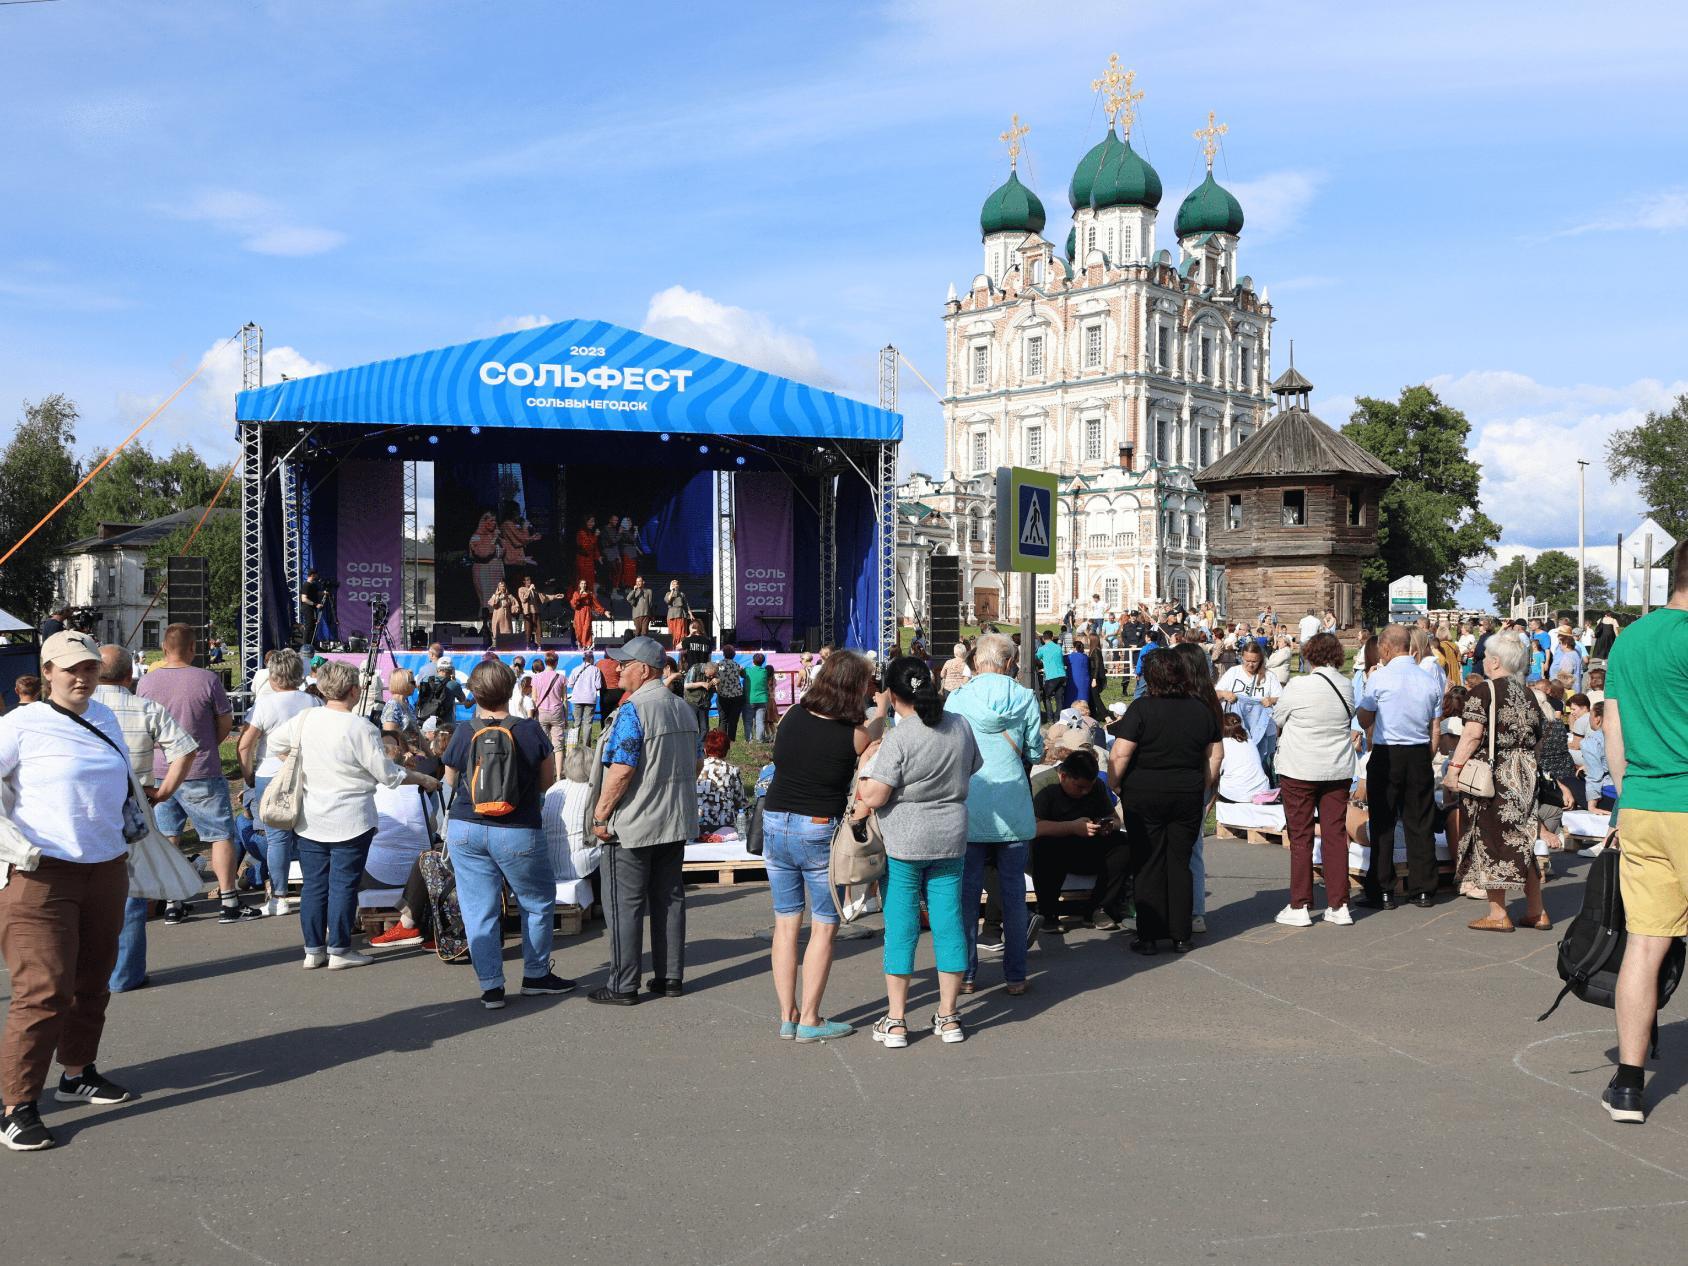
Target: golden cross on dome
[1011,138]
[1116,102]
[1209,136]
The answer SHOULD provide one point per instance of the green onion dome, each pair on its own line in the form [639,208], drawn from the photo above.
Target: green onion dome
[1124,180]
[1012,208]
[1210,208]
[1084,176]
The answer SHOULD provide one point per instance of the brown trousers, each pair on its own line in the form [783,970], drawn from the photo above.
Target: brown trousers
[1328,801]
[58,933]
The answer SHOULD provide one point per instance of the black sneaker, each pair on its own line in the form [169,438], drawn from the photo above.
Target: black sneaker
[175,912]
[550,982]
[238,913]
[493,999]
[610,998]
[90,1087]
[1623,1103]
[22,1131]
[662,987]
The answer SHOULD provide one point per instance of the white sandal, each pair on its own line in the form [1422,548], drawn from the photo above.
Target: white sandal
[948,1027]
[892,1031]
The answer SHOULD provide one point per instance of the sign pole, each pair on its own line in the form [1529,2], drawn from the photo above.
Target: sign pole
[1028,627]
[1646,572]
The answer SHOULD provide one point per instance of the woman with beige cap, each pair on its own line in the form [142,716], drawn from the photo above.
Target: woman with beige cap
[64,787]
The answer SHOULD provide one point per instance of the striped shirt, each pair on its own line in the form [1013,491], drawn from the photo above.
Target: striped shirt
[146,726]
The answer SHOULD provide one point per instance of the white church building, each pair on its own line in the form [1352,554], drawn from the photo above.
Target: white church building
[1120,365]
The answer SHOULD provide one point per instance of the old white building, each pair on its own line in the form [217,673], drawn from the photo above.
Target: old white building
[1118,364]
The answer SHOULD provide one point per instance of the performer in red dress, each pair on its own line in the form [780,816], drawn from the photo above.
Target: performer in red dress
[586,605]
[586,553]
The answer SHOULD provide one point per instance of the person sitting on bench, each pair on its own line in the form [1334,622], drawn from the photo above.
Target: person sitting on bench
[1078,833]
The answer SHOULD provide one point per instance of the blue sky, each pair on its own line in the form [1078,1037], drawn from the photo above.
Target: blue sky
[1490,198]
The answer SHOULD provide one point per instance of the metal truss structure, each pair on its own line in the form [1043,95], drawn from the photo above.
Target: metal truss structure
[726,569]
[408,595]
[251,508]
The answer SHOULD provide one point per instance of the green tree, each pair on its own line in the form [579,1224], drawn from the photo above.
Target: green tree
[219,543]
[1652,454]
[1430,522]
[37,468]
[139,486]
[1551,578]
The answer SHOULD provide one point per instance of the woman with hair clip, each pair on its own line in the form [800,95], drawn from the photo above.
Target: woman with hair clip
[917,778]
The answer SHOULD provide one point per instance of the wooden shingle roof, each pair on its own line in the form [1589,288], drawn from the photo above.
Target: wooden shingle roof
[1294,443]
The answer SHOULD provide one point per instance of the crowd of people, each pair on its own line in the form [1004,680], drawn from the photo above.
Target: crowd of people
[978,785]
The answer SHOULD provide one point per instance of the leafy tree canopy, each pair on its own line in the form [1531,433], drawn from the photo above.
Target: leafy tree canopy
[1655,454]
[1551,578]
[1430,521]
[139,486]
[37,468]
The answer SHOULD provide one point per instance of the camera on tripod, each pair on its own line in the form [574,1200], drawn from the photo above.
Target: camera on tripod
[82,620]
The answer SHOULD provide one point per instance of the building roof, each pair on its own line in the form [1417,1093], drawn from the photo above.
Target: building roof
[1290,381]
[1012,208]
[143,537]
[1124,179]
[1294,443]
[1084,175]
[1209,208]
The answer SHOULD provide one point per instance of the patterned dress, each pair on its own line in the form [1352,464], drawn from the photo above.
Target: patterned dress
[1498,849]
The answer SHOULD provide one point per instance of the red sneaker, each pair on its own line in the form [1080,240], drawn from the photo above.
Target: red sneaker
[396,936]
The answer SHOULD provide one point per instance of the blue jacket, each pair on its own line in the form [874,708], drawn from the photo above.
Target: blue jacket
[1004,717]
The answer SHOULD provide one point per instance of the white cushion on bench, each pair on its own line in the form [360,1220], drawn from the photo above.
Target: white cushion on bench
[1245,817]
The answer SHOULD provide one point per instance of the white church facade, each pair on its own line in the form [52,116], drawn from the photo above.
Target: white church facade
[1118,364]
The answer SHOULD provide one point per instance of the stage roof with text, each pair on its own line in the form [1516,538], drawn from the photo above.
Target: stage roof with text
[572,376]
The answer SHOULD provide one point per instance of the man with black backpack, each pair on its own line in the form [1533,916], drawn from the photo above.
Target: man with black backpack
[1646,724]
[439,695]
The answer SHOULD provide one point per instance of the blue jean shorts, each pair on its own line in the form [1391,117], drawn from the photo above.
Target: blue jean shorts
[202,801]
[797,852]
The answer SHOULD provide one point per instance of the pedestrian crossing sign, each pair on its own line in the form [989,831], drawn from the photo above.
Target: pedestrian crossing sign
[1025,520]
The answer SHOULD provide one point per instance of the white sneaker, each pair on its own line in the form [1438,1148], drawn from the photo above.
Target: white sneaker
[348,958]
[1339,915]
[315,958]
[285,905]
[1290,917]
[1198,924]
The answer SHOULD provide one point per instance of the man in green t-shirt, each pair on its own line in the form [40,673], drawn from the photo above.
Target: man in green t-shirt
[758,678]
[1646,723]
[1053,661]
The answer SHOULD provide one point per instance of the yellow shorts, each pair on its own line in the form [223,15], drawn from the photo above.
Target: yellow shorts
[1653,874]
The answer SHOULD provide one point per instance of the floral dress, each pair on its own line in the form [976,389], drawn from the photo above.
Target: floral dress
[1498,848]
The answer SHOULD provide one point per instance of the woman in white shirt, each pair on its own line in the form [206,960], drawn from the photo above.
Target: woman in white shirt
[521,702]
[341,763]
[574,853]
[64,783]
[279,704]
[1315,766]
[1241,775]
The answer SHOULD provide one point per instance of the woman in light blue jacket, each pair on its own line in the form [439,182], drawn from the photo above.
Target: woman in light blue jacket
[1000,823]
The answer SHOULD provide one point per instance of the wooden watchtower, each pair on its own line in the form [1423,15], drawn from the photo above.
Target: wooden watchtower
[1292,513]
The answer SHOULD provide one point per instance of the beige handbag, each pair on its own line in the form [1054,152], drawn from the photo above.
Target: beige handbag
[1477,776]
[857,859]
[280,804]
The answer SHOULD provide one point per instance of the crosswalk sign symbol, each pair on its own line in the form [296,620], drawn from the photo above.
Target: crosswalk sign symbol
[1025,519]
[1034,518]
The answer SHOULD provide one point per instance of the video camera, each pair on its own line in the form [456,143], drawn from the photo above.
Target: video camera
[82,620]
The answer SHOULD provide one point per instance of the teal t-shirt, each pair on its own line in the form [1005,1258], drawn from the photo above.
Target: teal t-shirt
[1053,661]
[1647,675]
[756,679]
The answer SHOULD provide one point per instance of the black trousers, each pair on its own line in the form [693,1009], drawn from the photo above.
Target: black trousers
[1108,857]
[637,882]
[1162,828]
[1054,691]
[1400,785]
[731,710]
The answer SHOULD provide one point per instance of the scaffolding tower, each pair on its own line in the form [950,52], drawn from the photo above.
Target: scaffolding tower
[251,507]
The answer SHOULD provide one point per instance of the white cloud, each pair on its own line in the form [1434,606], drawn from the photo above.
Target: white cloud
[1528,435]
[513,324]
[1663,211]
[202,417]
[262,227]
[751,338]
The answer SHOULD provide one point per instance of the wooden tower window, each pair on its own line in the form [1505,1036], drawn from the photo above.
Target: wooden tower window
[1295,507]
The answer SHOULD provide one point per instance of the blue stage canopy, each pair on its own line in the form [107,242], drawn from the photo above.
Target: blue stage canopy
[572,376]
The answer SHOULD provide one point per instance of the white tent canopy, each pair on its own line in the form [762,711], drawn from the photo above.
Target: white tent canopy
[11,624]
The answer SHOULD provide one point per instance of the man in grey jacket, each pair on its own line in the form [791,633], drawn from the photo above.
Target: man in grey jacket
[644,789]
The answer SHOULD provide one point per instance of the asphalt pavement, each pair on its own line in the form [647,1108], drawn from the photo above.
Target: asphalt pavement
[1380,1092]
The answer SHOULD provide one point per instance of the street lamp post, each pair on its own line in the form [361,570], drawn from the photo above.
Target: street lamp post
[1582,547]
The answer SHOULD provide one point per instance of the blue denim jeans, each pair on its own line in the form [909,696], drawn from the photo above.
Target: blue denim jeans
[797,853]
[756,722]
[131,966]
[328,906]
[281,848]
[1011,875]
[939,882]
[485,858]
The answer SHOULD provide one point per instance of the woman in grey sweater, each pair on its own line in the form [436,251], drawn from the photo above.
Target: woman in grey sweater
[917,778]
